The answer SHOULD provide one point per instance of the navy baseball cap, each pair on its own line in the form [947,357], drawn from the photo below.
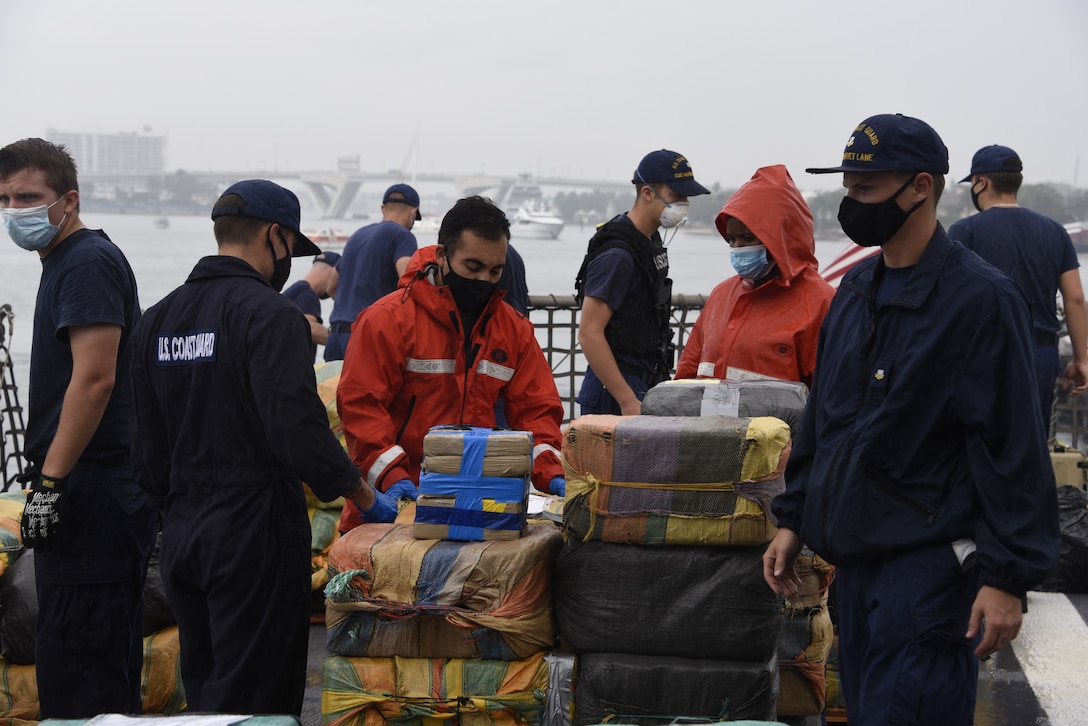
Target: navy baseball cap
[671,169]
[329,258]
[262,199]
[994,158]
[892,142]
[408,196]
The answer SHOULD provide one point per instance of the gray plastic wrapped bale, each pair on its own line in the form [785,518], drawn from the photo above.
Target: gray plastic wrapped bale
[714,397]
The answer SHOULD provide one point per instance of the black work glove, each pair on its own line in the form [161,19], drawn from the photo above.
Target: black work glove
[46,505]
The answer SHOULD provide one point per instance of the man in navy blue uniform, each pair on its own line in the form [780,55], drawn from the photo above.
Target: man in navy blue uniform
[1037,253]
[90,525]
[228,423]
[373,261]
[920,466]
[308,293]
[625,291]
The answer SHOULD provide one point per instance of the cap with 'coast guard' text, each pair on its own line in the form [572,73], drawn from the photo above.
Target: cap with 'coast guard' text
[892,142]
[671,169]
[992,159]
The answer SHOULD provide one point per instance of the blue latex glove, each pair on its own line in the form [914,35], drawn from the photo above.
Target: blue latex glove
[558,486]
[403,489]
[384,509]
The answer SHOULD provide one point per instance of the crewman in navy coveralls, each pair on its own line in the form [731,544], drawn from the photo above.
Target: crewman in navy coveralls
[228,423]
[920,466]
[91,527]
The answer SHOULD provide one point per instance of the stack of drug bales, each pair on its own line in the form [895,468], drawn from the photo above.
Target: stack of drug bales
[807,631]
[659,588]
[447,613]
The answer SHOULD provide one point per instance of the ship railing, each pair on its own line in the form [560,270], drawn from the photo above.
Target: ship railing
[556,319]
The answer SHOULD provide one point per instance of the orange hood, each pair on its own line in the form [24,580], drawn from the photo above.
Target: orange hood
[771,206]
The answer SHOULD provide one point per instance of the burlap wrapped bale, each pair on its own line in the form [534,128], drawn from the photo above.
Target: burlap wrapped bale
[685,601]
[651,690]
[673,480]
[802,659]
[420,691]
[328,378]
[440,599]
[160,682]
[18,611]
[816,575]
[11,539]
[18,694]
[714,397]
[834,699]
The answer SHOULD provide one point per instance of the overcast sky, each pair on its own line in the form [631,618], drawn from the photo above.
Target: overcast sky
[578,88]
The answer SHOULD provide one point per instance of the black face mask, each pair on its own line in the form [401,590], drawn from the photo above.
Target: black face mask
[875,223]
[974,198]
[470,295]
[281,269]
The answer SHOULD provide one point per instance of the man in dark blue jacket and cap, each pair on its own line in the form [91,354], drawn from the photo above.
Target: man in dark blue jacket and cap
[920,466]
[228,426]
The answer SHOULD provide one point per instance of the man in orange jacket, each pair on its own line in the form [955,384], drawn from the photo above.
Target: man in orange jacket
[443,349]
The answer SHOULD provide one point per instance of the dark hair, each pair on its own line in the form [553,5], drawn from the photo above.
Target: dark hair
[234,227]
[475,214]
[53,159]
[1005,182]
[938,182]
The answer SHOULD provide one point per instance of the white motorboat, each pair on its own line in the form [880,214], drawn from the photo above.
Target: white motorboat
[427,225]
[530,216]
[535,222]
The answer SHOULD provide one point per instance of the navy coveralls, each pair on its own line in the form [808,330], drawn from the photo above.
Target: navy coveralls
[228,422]
[923,429]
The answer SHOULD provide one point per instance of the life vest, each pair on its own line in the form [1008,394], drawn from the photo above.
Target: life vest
[640,328]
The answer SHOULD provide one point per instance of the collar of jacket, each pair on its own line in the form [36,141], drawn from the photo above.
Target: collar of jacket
[866,275]
[224,266]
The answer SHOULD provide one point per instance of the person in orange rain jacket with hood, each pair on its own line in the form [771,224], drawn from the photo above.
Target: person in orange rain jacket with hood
[766,319]
[443,349]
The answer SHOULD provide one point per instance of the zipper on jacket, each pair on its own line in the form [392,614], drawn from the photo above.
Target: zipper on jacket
[829,484]
[407,418]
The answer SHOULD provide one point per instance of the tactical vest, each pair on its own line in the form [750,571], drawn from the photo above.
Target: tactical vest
[640,328]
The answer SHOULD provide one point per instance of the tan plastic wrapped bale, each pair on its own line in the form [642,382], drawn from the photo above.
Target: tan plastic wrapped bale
[673,480]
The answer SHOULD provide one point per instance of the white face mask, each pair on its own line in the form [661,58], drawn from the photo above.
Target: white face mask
[674,215]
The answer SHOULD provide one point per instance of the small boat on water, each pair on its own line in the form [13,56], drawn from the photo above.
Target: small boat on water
[328,238]
[162,223]
[428,225]
[536,222]
[530,216]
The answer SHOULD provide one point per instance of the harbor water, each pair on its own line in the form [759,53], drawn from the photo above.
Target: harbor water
[161,259]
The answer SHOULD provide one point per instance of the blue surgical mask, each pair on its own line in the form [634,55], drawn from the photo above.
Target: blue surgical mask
[29,227]
[750,262]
